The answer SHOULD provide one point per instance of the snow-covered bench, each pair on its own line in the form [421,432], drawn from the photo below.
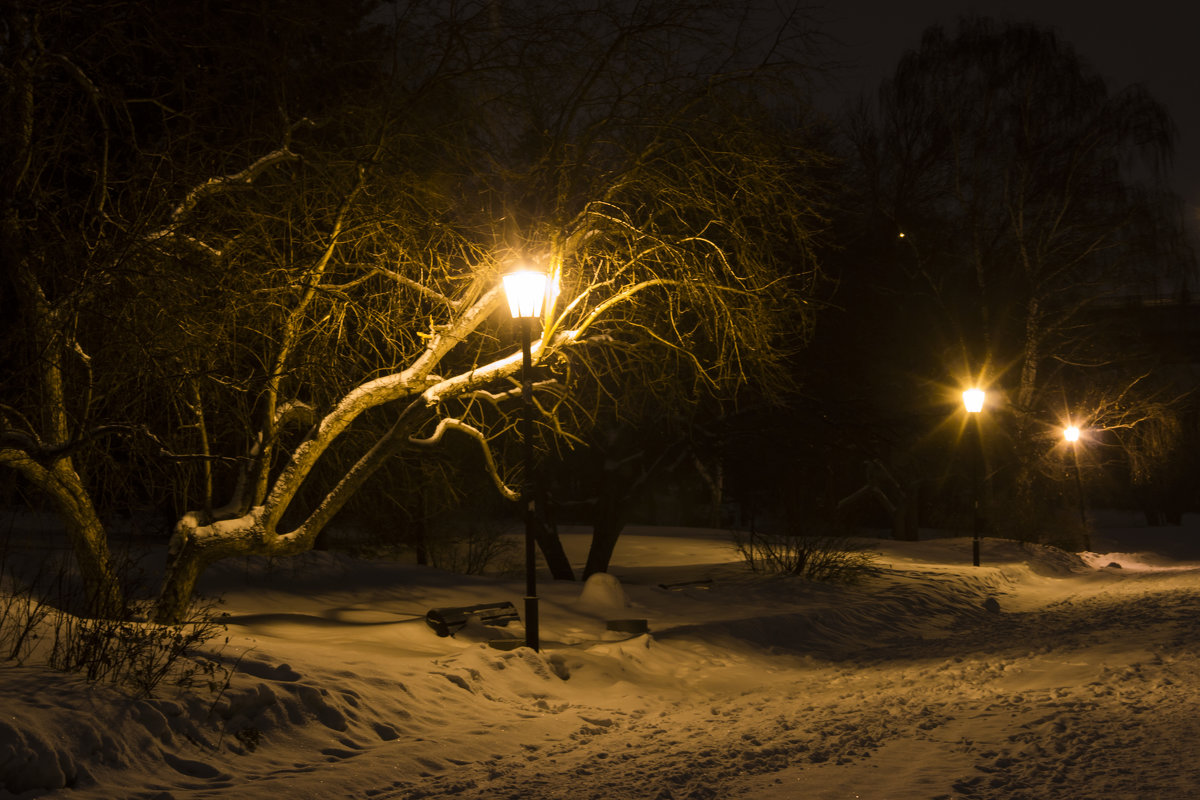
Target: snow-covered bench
[447,621]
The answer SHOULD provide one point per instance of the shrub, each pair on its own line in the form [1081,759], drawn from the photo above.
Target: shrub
[36,628]
[140,656]
[471,545]
[816,558]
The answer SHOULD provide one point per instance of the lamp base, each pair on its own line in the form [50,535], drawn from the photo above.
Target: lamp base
[531,622]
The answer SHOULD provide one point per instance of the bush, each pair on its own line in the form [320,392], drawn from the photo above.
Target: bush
[816,558]
[471,545]
[139,656]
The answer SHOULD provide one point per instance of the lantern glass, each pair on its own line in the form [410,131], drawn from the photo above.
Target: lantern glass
[526,292]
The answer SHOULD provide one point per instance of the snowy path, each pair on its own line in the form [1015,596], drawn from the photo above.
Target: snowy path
[1094,696]
[1084,683]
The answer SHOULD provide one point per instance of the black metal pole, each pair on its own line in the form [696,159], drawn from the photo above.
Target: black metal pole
[531,600]
[1087,539]
[977,514]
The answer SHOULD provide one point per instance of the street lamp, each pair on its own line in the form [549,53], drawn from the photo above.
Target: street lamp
[1071,434]
[973,403]
[973,400]
[526,292]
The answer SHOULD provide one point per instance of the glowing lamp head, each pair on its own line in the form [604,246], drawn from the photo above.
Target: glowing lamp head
[973,400]
[1071,434]
[526,292]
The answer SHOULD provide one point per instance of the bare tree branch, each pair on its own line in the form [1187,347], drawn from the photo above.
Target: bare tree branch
[451,424]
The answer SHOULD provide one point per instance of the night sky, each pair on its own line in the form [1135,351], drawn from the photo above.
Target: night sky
[1152,42]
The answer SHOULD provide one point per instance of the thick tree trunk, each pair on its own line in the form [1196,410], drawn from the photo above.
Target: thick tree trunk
[556,558]
[179,585]
[199,542]
[59,480]
[194,547]
[89,542]
[549,543]
[607,527]
[605,534]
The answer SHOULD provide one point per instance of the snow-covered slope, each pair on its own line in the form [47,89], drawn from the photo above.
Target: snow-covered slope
[1040,674]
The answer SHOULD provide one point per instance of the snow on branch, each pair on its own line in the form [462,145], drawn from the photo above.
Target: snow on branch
[473,380]
[222,183]
[418,287]
[496,399]
[416,378]
[294,411]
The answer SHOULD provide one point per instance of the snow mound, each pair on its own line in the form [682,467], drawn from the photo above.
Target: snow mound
[603,593]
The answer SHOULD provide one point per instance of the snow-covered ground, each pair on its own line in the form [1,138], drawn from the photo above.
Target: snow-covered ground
[1037,675]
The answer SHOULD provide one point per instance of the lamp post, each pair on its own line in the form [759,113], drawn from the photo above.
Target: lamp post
[1071,434]
[526,292]
[973,402]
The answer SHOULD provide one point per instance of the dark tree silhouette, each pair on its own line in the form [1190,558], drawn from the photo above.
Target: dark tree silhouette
[1011,193]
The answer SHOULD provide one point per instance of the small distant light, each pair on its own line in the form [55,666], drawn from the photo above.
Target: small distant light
[1071,434]
[973,400]
[901,234]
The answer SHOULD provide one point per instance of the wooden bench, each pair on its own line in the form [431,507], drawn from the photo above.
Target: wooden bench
[704,583]
[449,620]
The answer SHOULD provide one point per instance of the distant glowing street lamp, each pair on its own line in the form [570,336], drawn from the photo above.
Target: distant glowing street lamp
[526,292]
[1071,434]
[973,400]
[973,403]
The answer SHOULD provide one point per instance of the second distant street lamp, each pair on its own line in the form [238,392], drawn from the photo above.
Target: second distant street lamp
[526,292]
[1071,434]
[973,402]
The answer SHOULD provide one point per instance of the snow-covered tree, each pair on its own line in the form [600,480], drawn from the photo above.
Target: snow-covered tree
[298,301]
[108,108]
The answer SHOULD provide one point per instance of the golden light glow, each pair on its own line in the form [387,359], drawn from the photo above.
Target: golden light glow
[1071,433]
[526,292]
[973,400]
